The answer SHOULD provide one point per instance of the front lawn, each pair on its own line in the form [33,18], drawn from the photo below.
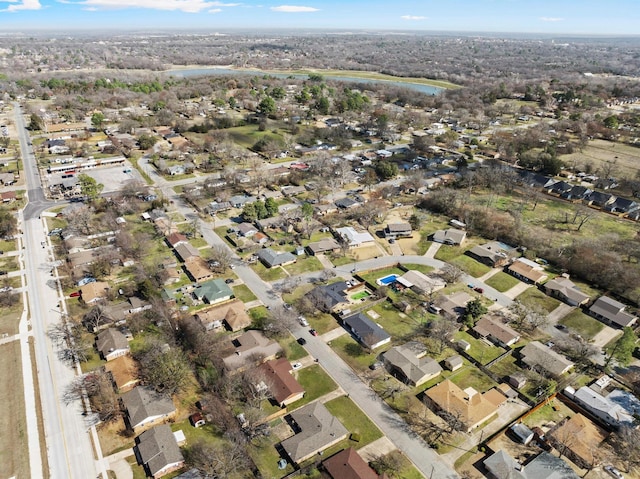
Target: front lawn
[536,299]
[446,253]
[316,384]
[292,350]
[268,274]
[322,322]
[480,351]
[354,354]
[304,265]
[584,325]
[470,265]
[502,281]
[243,293]
[423,268]
[356,422]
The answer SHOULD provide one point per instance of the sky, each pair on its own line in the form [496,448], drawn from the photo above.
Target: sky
[583,17]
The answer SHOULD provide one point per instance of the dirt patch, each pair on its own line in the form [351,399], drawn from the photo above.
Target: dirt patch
[13,421]
[114,437]
[365,252]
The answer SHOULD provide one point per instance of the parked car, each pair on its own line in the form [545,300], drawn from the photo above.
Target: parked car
[478,289]
[2,273]
[561,327]
[303,321]
[302,341]
[228,280]
[86,280]
[5,289]
[295,366]
[614,472]
[313,332]
[75,294]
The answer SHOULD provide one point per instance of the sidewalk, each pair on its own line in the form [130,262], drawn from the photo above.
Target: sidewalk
[433,249]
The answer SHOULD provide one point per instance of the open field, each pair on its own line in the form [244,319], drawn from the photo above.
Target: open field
[13,422]
[600,151]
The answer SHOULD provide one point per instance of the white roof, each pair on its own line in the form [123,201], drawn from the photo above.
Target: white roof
[354,237]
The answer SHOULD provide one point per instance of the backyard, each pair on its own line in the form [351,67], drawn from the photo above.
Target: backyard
[480,351]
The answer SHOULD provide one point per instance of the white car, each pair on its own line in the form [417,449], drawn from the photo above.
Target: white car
[295,366]
[614,472]
[303,321]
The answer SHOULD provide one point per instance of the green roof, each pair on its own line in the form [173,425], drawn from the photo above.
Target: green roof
[213,291]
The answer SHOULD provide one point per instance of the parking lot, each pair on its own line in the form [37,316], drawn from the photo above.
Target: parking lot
[111,177]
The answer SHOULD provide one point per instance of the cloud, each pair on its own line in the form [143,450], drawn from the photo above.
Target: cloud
[413,17]
[551,19]
[294,9]
[189,6]
[22,5]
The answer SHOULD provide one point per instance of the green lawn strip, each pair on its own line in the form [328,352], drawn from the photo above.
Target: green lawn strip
[480,351]
[470,266]
[138,471]
[502,281]
[249,135]
[356,422]
[584,325]
[535,298]
[447,253]
[423,268]
[8,245]
[292,350]
[470,376]
[266,457]
[338,260]
[354,354]
[198,242]
[243,293]
[268,274]
[316,384]
[304,265]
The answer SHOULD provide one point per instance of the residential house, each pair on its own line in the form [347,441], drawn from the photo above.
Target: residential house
[213,291]
[232,314]
[565,290]
[576,193]
[284,388]
[133,305]
[269,223]
[365,331]
[246,229]
[579,439]
[527,271]
[420,283]
[325,245]
[500,465]
[158,452]
[174,239]
[249,348]
[239,201]
[346,203]
[94,292]
[558,188]
[492,254]
[450,236]
[184,251]
[331,298]
[315,430]
[325,209]
[598,199]
[469,406]
[538,356]
[612,312]
[621,206]
[146,407]
[8,196]
[496,331]
[271,258]
[410,364]
[198,269]
[615,410]
[398,230]
[535,180]
[348,464]
[292,190]
[111,344]
[174,170]
[353,237]
[124,373]
[260,238]
[455,304]
[216,206]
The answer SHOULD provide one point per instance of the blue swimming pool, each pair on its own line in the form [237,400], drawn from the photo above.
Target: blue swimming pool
[387,280]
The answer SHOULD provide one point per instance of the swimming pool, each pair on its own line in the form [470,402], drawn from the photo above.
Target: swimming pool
[387,280]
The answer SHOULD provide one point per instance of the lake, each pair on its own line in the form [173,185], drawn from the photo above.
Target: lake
[426,89]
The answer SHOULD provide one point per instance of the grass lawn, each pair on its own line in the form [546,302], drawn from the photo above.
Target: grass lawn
[447,253]
[340,260]
[480,351]
[266,457]
[268,274]
[10,318]
[243,293]
[92,363]
[8,245]
[354,354]
[505,367]
[249,135]
[258,312]
[535,298]
[198,242]
[584,325]
[553,411]
[423,268]
[292,350]
[315,382]
[323,322]
[206,433]
[354,420]
[470,376]
[304,265]
[394,322]
[470,265]
[502,281]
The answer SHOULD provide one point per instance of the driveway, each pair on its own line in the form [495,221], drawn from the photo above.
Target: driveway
[433,249]
[517,290]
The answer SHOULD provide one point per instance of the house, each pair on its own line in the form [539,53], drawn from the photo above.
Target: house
[365,331]
[246,229]
[621,206]
[614,411]
[331,298]
[94,292]
[410,364]
[577,192]
[598,199]
[174,239]
[450,236]
[353,237]
[612,312]
[455,304]
[495,331]
[346,203]
[213,291]
[124,373]
[325,209]
[500,465]
[348,464]
[398,230]
[527,271]
[536,355]
[565,290]
[174,170]
[146,407]
[420,283]
[251,347]
[281,383]
[492,254]
[315,430]
[558,188]
[292,190]
[111,344]
[579,439]
[271,258]
[8,196]
[260,238]
[184,251]
[325,245]
[198,269]
[469,406]
[158,452]
[232,314]
[240,200]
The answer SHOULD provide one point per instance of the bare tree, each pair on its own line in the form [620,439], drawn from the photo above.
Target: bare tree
[218,460]
[80,219]
[219,258]
[450,273]
[99,390]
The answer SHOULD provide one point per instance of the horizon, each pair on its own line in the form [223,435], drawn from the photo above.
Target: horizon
[568,18]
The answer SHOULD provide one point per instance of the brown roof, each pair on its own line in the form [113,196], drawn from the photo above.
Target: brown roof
[124,371]
[472,407]
[198,268]
[111,340]
[232,313]
[489,327]
[534,274]
[174,238]
[94,291]
[281,382]
[348,464]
